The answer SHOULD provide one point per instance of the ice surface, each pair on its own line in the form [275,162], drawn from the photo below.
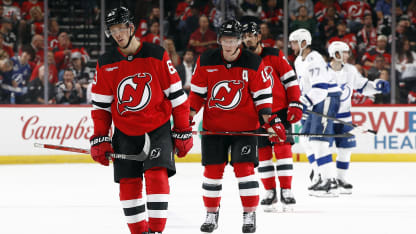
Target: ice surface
[82,199]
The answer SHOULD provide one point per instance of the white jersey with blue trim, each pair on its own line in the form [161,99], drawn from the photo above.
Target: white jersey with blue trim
[348,80]
[314,81]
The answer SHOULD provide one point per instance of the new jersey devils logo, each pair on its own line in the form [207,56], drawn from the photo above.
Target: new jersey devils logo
[226,94]
[134,93]
[269,73]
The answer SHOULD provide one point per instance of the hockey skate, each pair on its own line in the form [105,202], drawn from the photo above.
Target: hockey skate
[211,222]
[327,188]
[344,187]
[270,200]
[288,200]
[249,222]
[316,180]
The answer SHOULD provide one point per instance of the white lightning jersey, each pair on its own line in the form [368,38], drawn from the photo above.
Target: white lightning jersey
[349,79]
[314,81]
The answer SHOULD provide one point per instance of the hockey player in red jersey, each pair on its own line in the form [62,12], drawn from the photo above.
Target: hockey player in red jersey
[137,87]
[286,105]
[234,89]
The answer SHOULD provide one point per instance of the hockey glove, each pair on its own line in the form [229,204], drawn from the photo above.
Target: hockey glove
[382,86]
[100,145]
[183,141]
[294,112]
[276,130]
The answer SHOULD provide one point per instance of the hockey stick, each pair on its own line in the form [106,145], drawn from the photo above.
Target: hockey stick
[343,122]
[267,134]
[137,157]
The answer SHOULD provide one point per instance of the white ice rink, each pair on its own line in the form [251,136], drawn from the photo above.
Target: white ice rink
[82,199]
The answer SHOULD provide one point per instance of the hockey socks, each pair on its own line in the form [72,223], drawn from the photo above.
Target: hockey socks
[284,165]
[343,162]
[247,185]
[266,168]
[157,190]
[323,158]
[212,186]
[133,204]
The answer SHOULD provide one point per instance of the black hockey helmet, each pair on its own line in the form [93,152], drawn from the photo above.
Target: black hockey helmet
[120,15]
[251,27]
[230,28]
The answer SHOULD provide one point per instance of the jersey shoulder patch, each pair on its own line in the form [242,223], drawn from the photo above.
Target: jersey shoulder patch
[211,57]
[109,57]
[151,50]
[248,60]
[269,51]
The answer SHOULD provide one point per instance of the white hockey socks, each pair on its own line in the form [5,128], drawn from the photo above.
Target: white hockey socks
[343,162]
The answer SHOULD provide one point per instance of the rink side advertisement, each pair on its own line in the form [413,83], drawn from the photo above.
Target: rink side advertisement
[22,126]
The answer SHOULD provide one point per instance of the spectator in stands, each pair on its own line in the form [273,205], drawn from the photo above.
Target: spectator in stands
[266,36]
[169,46]
[52,70]
[28,5]
[83,75]
[12,10]
[342,35]
[183,10]
[383,98]
[375,70]
[232,11]
[6,71]
[21,73]
[68,91]
[411,11]
[294,8]
[383,9]
[251,11]
[406,67]
[354,11]
[203,38]
[303,21]
[367,36]
[328,26]
[272,14]
[405,30]
[321,8]
[8,35]
[186,68]
[63,55]
[53,33]
[35,94]
[370,56]
[4,49]
[37,46]
[153,35]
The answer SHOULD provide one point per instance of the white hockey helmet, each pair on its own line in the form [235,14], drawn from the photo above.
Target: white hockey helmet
[340,47]
[299,36]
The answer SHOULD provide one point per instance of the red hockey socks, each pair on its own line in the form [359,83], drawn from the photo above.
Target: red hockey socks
[133,204]
[247,185]
[266,168]
[212,186]
[284,165]
[157,192]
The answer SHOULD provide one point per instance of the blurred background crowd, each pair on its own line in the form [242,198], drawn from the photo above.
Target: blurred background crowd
[189,28]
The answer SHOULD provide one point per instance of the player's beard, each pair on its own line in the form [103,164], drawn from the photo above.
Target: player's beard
[253,48]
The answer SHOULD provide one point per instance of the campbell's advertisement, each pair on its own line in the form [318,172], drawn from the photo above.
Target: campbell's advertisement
[21,127]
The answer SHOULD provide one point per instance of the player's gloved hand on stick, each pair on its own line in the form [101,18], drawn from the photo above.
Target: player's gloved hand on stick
[183,141]
[294,112]
[100,145]
[276,128]
[382,86]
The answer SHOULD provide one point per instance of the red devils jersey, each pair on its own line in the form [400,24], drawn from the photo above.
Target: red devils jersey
[139,90]
[285,85]
[355,9]
[233,94]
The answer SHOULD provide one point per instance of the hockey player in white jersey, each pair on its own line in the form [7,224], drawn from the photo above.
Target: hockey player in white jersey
[348,79]
[321,94]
